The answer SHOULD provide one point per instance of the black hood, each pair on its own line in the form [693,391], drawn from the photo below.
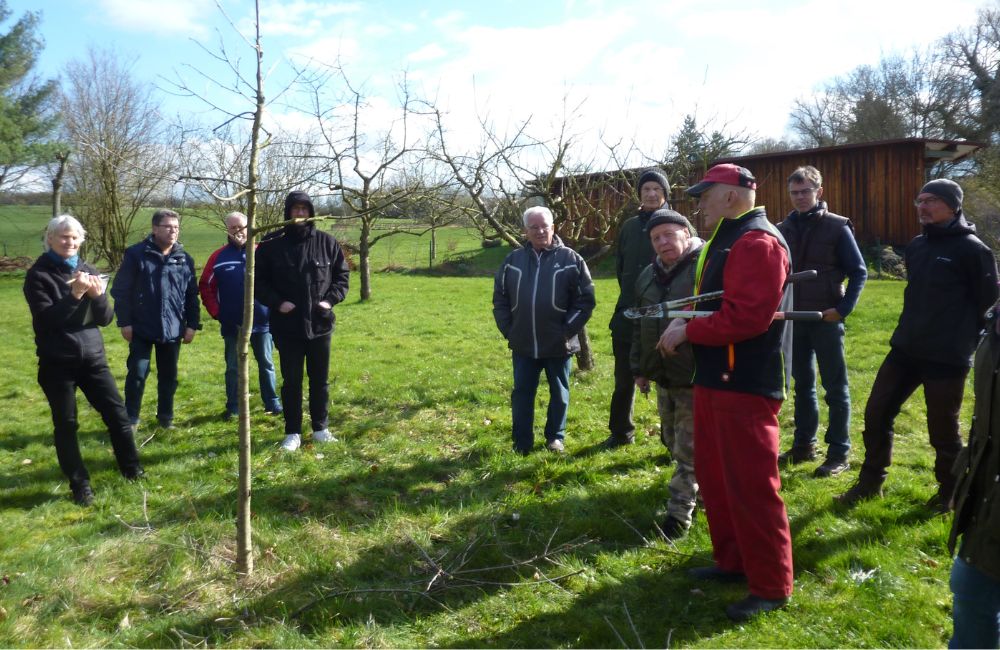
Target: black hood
[956,227]
[298,197]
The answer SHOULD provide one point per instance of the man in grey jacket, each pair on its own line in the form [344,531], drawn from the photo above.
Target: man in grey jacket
[542,298]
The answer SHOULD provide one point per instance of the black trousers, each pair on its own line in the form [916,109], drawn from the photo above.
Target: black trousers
[315,354]
[59,381]
[620,421]
[897,379]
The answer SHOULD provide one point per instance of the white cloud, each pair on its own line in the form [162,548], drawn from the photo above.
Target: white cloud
[302,18]
[187,17]
[427,53]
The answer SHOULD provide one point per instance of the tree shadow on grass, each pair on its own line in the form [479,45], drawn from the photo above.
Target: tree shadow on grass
[566,541]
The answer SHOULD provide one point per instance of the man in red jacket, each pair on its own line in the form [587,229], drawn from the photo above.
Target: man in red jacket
[739,384]
[221,288]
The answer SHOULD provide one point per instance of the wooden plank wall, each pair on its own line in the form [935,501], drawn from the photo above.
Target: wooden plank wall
[872,185]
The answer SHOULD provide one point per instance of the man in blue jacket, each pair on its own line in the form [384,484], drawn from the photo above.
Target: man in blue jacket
[542,298]
[156,304]
[221,287]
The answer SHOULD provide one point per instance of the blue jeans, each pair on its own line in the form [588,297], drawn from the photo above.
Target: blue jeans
[139,353]
[261,344]
[522,399]
[975,609]
[824,343]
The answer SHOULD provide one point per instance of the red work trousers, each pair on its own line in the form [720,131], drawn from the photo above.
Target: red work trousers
[736,464]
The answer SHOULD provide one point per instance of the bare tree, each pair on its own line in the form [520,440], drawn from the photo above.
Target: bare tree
[899,97]
[220,157]
[490,175]
[973,57]
[247,90]
[122,150]
[366,167]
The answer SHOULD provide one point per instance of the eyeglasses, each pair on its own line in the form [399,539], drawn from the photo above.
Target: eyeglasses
[930,200]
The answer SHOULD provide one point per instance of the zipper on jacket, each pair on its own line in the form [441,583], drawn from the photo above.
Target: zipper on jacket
[534,296]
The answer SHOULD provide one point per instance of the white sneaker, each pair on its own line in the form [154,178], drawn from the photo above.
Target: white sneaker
[323,436]
[292,442]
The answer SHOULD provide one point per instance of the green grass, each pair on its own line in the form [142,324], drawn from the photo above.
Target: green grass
[423,490]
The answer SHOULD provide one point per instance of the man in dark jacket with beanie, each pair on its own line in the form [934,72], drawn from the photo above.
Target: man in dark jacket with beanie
[951,283]
[634,253]
[301,275]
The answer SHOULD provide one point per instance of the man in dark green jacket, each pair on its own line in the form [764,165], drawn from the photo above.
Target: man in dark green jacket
[975,576]
[634,253]
[670,276]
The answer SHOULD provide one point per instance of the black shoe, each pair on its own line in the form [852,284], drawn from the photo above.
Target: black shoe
[277,411]
[752,605]
[82,494]
[860,491]
[939,504]
[166,423]
[673,528]
[715,573]
[228,416]
[615,441]
[797,455]
[521,451]
[134,473]
[832,467]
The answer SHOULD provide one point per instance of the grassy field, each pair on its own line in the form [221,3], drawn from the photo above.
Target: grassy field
[420,527]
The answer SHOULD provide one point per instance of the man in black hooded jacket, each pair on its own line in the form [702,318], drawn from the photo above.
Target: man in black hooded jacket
[301,275]
[951,283]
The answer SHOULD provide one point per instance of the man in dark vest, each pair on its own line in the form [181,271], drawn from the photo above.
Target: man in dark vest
[634,253]
[739,384]
[951,281]
[823,242]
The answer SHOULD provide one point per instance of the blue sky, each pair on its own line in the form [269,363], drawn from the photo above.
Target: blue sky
[633,69]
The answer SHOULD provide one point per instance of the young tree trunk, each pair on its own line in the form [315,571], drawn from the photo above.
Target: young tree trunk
[585,357]
[364,259]
[433,254]
[57,182]
[244,541]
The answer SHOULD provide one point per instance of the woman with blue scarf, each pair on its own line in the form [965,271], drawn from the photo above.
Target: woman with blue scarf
[68,304]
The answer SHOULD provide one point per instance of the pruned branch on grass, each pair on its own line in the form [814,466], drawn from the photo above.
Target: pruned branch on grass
[445,574]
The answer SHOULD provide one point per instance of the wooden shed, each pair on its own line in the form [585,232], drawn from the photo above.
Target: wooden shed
[872,183]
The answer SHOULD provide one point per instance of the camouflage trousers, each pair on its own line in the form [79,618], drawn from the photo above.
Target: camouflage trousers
[676,409]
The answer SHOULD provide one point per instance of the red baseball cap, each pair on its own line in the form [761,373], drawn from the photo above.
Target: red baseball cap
[726,173]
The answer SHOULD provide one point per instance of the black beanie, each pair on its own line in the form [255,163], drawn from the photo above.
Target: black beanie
[298,197]
[656,176]
[663,215]
[948,191]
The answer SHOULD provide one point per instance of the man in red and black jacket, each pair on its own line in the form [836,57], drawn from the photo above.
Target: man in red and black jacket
[221,288]
[739,385]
